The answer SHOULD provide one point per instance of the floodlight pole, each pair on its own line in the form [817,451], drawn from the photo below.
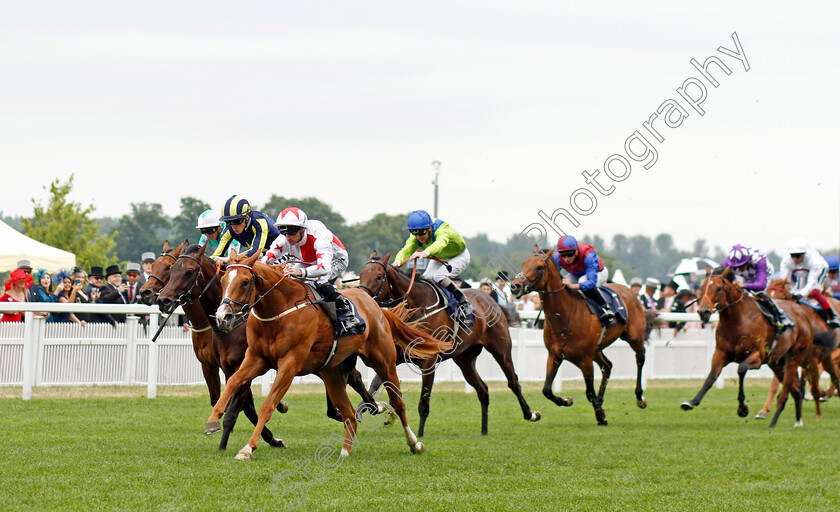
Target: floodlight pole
[436,165]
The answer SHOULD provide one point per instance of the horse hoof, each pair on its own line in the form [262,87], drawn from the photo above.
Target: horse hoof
[212,428]
[603,423]
[760,415]
[687,405]
[279,443]
[283,407]
[799,424]
[641,404]
[418,448]
[743,411]
[244,455]
[568,401]
[381,407]
[535,416]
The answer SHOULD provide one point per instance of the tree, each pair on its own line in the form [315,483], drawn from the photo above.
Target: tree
[383,233]
[183,226]
[144,229]
[67,225]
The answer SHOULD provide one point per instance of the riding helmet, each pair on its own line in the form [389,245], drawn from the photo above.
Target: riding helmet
[292,216]
[235,208]
[419,219]
[567,243]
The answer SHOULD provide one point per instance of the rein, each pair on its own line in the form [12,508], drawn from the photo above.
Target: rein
[185,297]
[385,303]
[726,291]
[246,307]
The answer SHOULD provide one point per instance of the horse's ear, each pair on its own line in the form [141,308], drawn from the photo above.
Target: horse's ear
[708,271]
[252,259]
[232,253]
[535,250]
[386,258]
[725,272]
[186,242]
[373,255]
[200,252]
[166,246]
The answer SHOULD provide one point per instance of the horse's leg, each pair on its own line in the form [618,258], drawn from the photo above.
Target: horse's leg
[552,365]
[251,367]
[505,362]
[214,382]
[428,368]
[718,361]
[287,368]
[811,374]
[606,370]
[231,414]
[588,370]
[788,386]
[828,365]
[336,386]
[387,369]
[771,394]
[251,414]
[466,362]
[354,378]
[639,348]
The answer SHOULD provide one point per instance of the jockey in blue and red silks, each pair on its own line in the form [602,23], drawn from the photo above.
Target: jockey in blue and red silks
[751,269]
[585,270]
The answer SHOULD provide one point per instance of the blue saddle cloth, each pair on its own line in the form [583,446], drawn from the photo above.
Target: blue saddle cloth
[613,301]
[805,302]
[340,317]
[452,308]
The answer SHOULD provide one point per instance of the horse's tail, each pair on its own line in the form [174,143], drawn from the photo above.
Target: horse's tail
[650,322]
[413,341]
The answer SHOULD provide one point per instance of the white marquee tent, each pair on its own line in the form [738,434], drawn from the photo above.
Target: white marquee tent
[15,246]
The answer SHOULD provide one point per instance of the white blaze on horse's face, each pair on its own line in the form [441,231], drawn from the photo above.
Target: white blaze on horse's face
[224,309]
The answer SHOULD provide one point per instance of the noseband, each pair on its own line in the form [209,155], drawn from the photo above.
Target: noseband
[385,303]
[725,292]
[185,297]
[246,307]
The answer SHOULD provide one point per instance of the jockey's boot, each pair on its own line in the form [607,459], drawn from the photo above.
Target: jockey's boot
[830,318]
[342,307]
[465,309]
[605,314]
[780,320]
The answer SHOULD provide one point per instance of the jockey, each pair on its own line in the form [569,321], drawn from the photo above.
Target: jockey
[586,271]
[750,268]
[313,252]
[253,230]
[211,227]
[832,283]
[806,269]
[437,238]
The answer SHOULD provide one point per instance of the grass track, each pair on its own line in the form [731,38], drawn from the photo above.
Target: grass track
[130,453]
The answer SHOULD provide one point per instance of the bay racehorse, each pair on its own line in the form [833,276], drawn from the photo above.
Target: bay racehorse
[388,286]
[573,333]
[287,331]
[745,337]
[194,280]
[824,352]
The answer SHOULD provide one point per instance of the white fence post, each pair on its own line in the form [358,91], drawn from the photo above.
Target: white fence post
[130,348]
[30,353]
[152,371]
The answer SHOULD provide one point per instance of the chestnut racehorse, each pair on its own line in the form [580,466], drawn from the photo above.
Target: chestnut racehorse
[490,331]
[193,279]
[744,336]
[290,333]
[572,332]
[824,354]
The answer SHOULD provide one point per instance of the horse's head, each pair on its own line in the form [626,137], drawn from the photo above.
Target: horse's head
[160,272]
[186,278]
[239,285]
[534,274]
[779,289]
[374,277]
[715,289]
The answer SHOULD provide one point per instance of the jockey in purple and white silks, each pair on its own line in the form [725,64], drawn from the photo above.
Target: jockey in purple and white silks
[751,268]
[806,269]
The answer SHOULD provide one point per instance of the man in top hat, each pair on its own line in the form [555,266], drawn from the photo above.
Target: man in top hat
[132,277]
[91,293]
[25,265]
[667,295]
[651,284]
[636,285]
[113,293]
[146,260]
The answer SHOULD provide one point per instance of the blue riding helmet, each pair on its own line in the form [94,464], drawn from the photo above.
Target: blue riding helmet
[567,243]
[833,262]
[235,208]
[419,219]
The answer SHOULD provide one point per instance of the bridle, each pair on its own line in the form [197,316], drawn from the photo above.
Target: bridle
[725,293]
[161,281]
[185,297]
[389,303]
[529,283]
[246,307]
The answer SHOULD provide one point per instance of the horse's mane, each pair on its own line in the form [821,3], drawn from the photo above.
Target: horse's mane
[718,271]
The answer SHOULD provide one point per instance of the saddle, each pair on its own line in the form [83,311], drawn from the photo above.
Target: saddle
[446,297]
[615,303]
[337,318]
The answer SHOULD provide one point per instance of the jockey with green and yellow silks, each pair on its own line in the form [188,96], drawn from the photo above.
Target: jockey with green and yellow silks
[437,238]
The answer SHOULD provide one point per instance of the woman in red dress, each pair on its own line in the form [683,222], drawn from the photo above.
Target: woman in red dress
[16,287]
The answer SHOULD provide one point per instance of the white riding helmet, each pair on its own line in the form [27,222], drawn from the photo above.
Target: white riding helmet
[291,216]
[797,246]
[209,218]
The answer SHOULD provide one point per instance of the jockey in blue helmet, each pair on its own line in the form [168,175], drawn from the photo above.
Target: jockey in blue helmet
[586,271]
[437,238]
[832,282]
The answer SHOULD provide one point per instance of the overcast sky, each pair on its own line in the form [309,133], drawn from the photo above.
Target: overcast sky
[352,101]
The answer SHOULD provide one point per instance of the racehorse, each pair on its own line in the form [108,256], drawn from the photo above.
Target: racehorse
[572,332]
[287,331]
[824,354]
[490,331]
[193,280]
[744,336]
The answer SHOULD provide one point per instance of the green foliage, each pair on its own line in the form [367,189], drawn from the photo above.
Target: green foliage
[383,233]
[103,453]
[142,230]
[66,225]
[183,226]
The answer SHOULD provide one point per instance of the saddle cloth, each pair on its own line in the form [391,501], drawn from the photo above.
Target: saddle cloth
[613,301]
[452,305]
[329,308]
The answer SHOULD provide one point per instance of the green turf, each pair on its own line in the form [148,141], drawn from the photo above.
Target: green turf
[130,453]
